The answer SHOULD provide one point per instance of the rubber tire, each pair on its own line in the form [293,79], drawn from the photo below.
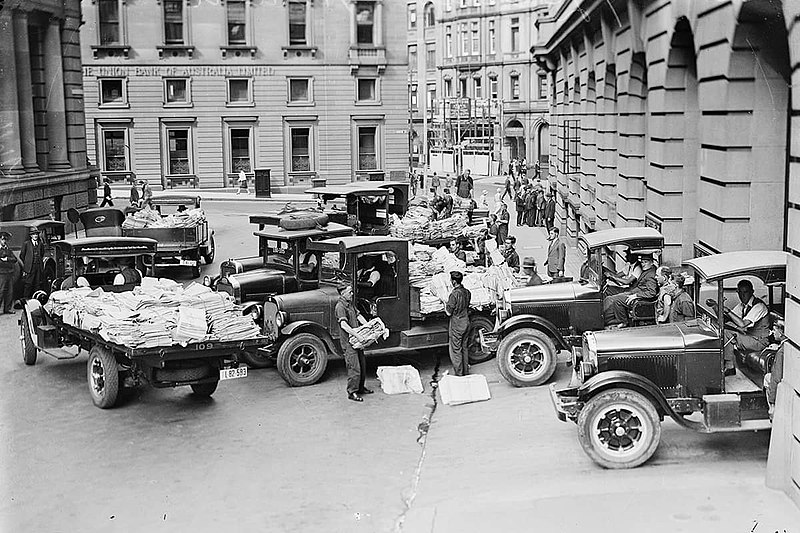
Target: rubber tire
[254,360]
[177,375]
[284,363]
[545,345]
[108,397]
[195,272]
[476,322]
[212,251]
[204,389]
[644,410]
[29,351]
[293,224]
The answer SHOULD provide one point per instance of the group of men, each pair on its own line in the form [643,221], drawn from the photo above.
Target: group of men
[138,198]
[463,184]
[31,262]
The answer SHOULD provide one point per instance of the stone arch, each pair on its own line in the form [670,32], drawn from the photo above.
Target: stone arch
[429,15]
[515,138]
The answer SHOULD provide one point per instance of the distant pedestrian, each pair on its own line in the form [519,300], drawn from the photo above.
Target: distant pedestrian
[530,207]
[464,185]
[7,266]
[509,188]
[413,183]
[134,198]
[435,183]
[107,200]
[549,211]
[457,308]
[503,219]
[147,194]
[541,202]
[242,181]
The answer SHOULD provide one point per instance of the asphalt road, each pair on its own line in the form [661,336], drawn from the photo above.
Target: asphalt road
[260,456]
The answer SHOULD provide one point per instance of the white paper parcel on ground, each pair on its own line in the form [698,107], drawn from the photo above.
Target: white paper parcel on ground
[457,390]
[399,379]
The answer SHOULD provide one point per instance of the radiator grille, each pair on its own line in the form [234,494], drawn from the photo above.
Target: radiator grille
[558,314]
[660,369]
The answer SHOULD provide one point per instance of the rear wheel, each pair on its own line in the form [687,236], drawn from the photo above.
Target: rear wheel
[29,351]
[526,357]
[302,360]
[205,389]
[619,428]
[196,270]
[256,360]
[478,352]
[102,373]
[208,257]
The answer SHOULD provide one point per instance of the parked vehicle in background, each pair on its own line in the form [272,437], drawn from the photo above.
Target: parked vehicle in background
[49,231]
[537,322]
[102,221]
[628,380]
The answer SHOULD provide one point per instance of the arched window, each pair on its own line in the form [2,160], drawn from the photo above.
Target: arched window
[430,16]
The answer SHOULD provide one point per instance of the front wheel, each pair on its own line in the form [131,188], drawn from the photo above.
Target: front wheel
[208,257]
[102,374]
[478,352]
[302,360]
[619,428]
[29,351]
[196,271]
[526,357]
[204,389]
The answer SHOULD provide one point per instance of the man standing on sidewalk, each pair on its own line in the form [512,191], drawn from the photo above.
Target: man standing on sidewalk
[7,262]
[107,200]
[549,211]
[457,308]
[556,254]
[32,255]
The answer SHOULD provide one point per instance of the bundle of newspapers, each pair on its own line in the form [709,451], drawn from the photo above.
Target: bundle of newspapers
[160,312]
[149,218]
[369,333]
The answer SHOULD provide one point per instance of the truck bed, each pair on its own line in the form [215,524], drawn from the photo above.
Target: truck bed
[172,240]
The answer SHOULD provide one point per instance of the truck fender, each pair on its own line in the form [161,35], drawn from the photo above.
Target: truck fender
[623,379]
[307,326]
[535,322]
[250,307]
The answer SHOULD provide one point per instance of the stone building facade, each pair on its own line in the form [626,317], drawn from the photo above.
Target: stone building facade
[43,165]
[683,116]
[190,93]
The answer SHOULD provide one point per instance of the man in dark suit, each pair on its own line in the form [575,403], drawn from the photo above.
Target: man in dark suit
[7,262]
[616,308]
[32,255]
[556,254]
[549,211]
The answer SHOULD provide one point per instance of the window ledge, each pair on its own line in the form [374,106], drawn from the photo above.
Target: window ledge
[299,50]
[178,104]
[110,50]
[175,50]
[114,106]
[301,104]
[368,102]
[238,49]
[240,104]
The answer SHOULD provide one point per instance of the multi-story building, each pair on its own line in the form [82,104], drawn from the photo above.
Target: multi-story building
[475,89]
[190,93]
[679,115]
[43,165]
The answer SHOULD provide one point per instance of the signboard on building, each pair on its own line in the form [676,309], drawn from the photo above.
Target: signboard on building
[459,108]
[652,222]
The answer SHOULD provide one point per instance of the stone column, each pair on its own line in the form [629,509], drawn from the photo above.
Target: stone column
[56,109]
[27,133]
[10,153]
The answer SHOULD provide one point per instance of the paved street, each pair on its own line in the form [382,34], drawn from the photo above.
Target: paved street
[259,456]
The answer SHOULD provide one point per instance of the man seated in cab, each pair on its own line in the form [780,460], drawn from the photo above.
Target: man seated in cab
[616,308]
[619,282]
[529,269]
[368,278]
[746,325]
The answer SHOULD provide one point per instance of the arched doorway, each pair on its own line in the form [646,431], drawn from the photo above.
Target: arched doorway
[543,148]
[515,139]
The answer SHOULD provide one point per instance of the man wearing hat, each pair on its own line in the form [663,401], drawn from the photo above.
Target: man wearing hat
[32,256]
[774,377]
[457,308]
[616,308]
[347,316]
[529,268]
[7,262]
[147,194]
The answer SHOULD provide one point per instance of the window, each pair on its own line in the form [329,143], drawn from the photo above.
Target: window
[476,42]
[448,5]
[176,91]
[493,88]
[240,149]
[412,16]
[112,92]
[430,16]
[367,148]
[115,153]
[412,56]
[464,40]
[430,56]
[448,41]
[462,88]
[179,161]
[366,90]
[414,103]
[109,22]
[300,146]
[515,86]
[300,90]
[431,95]
[237,22]
[365,23]
[569,146]
[448,88]
[239,91]
[478,87]
[542,88]
[297,23]
[492,37]
[463,4]
[515,34]
[173,21]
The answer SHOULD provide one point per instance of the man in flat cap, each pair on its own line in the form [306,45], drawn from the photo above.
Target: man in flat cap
[457,308]
[7,262]
[32,256]
[616,308]
[347,316]
[529,269]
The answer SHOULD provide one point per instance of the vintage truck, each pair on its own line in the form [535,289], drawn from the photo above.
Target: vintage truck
[537,322]
[627,381]
[112,366]
[303,330]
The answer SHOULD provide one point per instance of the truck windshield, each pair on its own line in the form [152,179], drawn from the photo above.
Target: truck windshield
[333,268]
[279,253]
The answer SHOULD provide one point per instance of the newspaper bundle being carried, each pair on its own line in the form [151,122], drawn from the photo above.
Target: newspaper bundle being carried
[369,333]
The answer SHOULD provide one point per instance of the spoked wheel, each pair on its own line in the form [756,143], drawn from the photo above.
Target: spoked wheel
[212,249]
[29,351]
[478,352]
[619,428]
[102,374]
[526,357]
[302,360]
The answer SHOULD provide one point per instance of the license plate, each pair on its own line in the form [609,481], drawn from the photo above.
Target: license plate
[233,373]
[188,262]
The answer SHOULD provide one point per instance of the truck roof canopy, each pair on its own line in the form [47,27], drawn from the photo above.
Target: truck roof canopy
[768,265]
[107,246]
[345,190]
[638,238]
[359,244]
[280,234]
[101,217]
[176,199]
